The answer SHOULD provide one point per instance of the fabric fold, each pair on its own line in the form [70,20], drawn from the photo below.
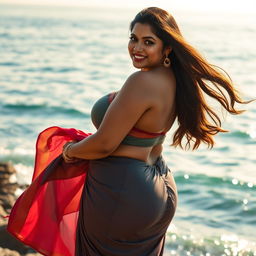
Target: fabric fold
[45,215]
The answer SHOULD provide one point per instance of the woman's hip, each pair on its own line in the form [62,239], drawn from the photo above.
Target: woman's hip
[130,194]
[132,183]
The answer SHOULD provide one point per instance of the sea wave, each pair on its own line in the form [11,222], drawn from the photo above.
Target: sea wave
[223,245]
[42,109]
[226,201]
[52,69]
[10,63]
[213,181]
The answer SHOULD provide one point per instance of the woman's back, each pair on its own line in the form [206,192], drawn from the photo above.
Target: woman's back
[159,117]
[158,89]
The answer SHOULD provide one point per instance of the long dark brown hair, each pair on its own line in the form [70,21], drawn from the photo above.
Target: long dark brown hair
[195,77]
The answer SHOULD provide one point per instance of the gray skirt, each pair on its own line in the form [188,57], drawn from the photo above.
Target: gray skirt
[126,208]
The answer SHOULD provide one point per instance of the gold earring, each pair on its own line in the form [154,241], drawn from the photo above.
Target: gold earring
[167,62]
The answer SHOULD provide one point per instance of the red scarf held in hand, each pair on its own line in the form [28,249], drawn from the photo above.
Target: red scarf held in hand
[45,215]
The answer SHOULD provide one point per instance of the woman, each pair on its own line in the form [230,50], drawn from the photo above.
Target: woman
[116,179]
[130,196]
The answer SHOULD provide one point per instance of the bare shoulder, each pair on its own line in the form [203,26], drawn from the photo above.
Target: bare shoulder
[144,81]
[140,78]
[135,86]
[150,81]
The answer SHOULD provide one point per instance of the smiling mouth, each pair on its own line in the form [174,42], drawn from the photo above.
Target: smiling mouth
[138,58]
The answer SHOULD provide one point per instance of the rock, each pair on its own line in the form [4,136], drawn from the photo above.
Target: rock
[7,201]
[7,167]
[7,252]
[3,213]
[6,172]
[8,187]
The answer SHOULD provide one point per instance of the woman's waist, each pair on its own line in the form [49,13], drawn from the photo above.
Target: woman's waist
[146,154]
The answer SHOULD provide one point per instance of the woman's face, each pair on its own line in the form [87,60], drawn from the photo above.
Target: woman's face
[145,48]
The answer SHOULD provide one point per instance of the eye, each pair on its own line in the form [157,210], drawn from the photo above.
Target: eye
[132,38]
[148,42]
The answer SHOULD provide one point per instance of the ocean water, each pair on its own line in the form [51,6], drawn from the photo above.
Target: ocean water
[55,62]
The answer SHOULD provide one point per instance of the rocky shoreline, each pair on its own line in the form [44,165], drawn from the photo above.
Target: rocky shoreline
[10,246]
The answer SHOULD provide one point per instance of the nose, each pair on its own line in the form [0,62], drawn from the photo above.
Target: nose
[138,47]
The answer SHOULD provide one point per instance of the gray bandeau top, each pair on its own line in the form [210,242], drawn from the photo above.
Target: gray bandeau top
[135,137]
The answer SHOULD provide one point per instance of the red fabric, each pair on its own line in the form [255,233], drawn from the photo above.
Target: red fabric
[45,215]
[135,132]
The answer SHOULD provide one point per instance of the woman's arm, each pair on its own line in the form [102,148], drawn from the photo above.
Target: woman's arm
[135,98]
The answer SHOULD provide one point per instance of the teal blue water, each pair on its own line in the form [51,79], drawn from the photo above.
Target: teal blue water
[55,62]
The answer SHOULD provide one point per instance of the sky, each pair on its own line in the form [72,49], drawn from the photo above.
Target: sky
[240,6]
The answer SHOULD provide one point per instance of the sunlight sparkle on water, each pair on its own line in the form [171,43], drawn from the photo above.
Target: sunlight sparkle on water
[250,184]
[186,176]
[252,131]
[235,181]
[245,201]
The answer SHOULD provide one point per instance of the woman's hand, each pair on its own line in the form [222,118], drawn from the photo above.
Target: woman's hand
[65,151]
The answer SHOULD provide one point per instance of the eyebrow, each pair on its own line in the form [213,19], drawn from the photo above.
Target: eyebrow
[144,37]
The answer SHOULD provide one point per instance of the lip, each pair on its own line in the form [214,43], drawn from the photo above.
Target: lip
[138,57]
